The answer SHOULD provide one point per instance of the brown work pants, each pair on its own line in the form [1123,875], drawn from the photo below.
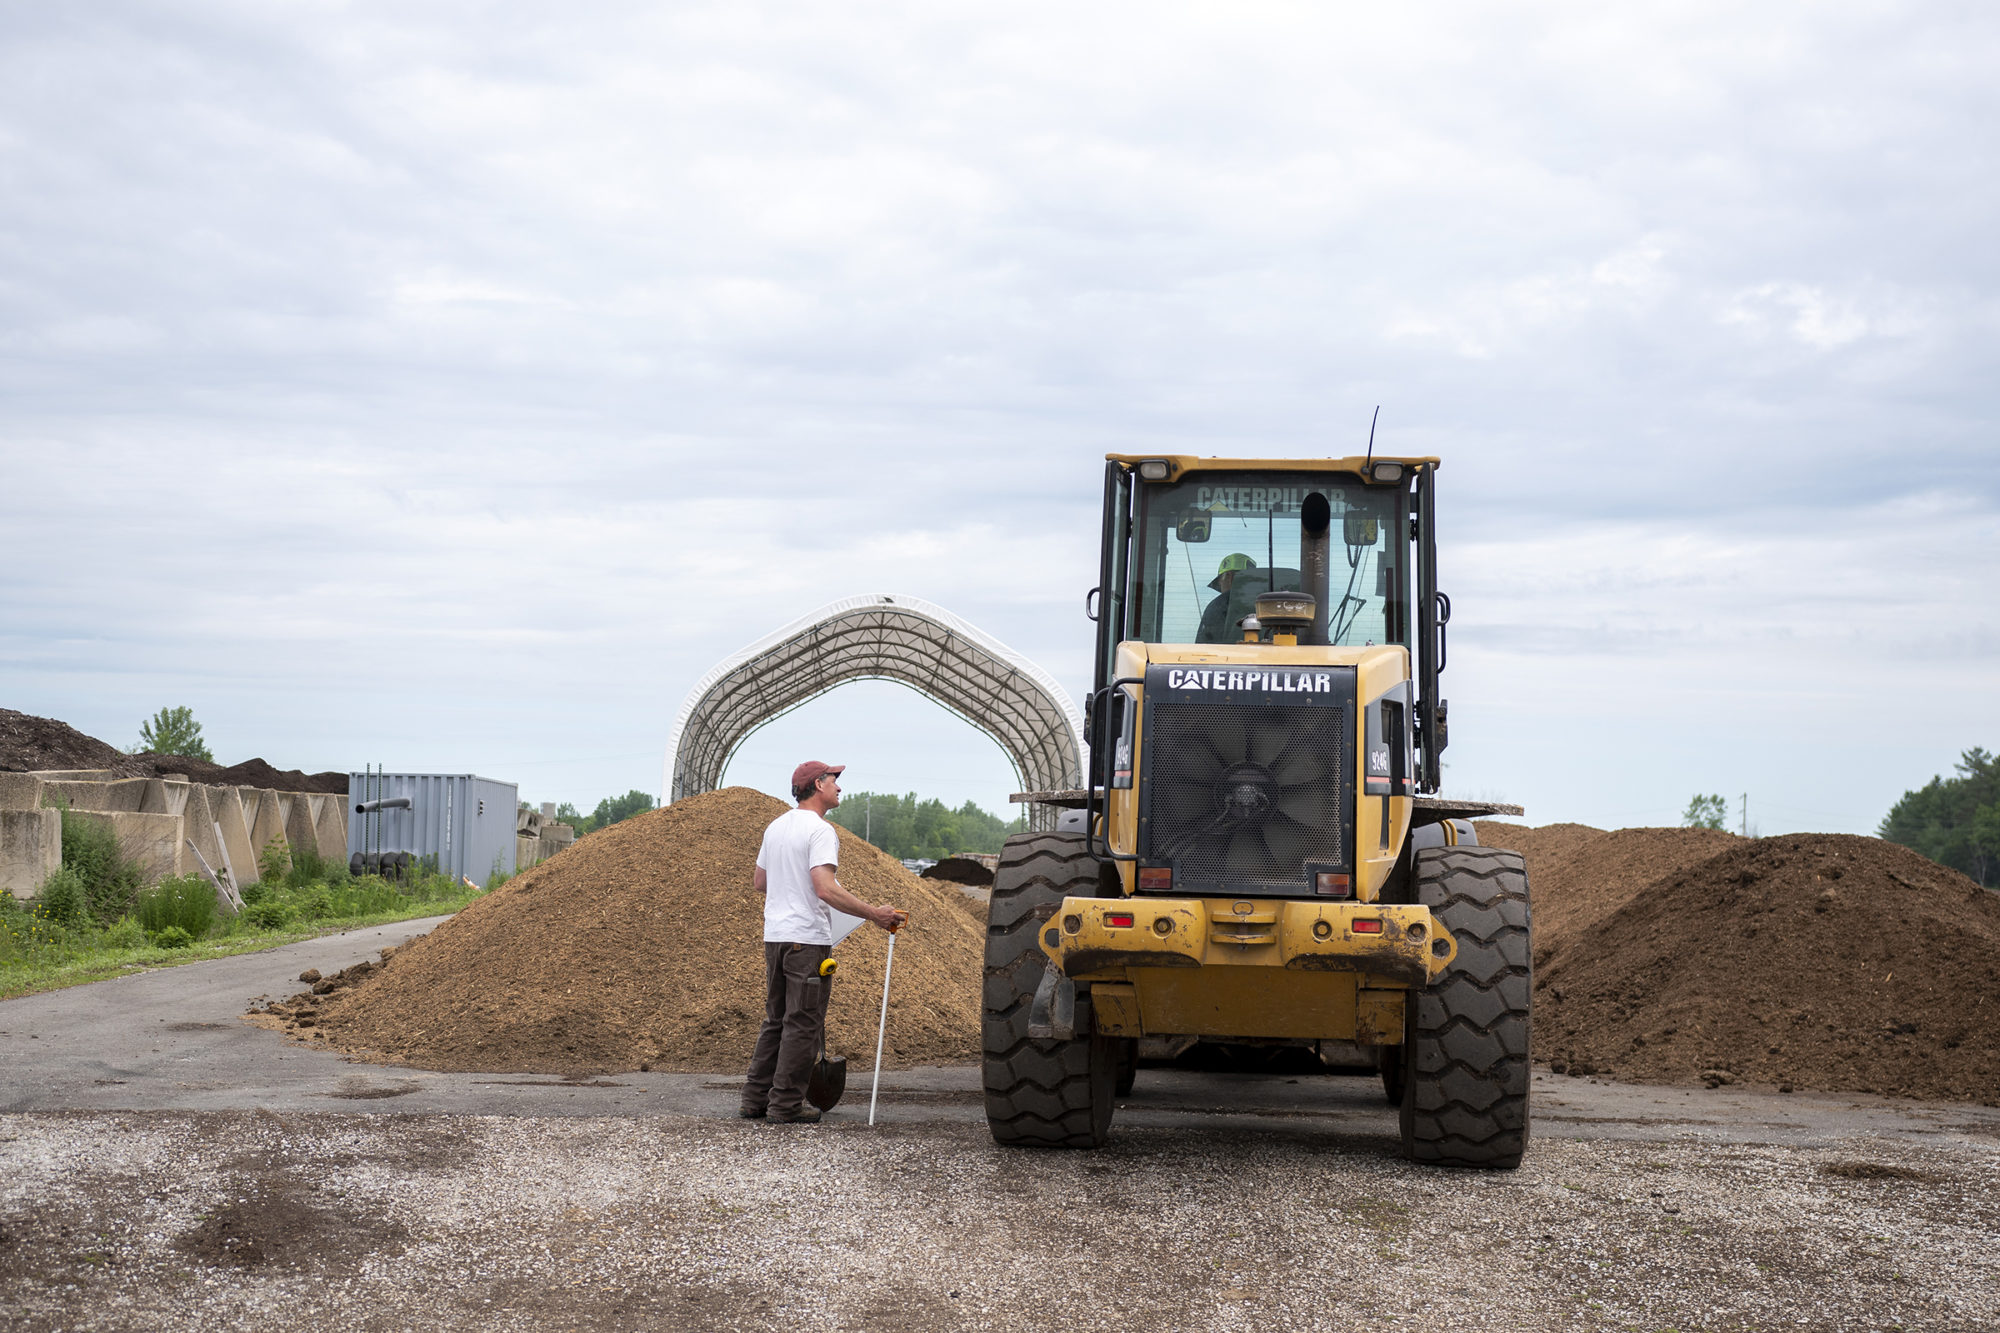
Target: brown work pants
[795,997]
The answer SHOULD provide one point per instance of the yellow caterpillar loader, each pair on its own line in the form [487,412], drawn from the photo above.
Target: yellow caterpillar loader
[1257,856]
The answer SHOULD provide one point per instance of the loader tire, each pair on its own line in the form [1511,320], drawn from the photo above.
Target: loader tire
[1040,1094]
[1389,1060]
[1127,1050]
[1465,1047]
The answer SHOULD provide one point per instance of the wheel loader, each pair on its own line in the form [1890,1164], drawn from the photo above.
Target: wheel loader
[1258,856]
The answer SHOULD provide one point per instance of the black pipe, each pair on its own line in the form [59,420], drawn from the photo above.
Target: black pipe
[386,803]
[1315,520]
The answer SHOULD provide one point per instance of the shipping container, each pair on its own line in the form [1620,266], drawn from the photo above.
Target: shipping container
[464,823]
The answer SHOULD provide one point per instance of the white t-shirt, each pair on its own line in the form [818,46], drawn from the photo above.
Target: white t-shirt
[795,842]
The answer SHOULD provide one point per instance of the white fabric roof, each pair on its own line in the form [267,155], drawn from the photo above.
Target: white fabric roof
[903,639]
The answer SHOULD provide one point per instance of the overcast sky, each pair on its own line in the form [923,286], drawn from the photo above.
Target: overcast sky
[450,386]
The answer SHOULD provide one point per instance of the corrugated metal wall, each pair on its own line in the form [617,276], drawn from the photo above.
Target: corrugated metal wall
[466,822]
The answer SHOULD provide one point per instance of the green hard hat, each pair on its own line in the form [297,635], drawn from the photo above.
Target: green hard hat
[1230,564]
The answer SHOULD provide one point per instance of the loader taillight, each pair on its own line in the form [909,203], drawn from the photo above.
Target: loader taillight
[1370,926]
[1155,879]
[1333,886]
[1118,919]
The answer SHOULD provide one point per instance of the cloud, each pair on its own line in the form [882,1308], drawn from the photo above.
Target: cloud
[395,374]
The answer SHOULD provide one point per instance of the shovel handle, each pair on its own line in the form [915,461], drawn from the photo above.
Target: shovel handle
[882,1030]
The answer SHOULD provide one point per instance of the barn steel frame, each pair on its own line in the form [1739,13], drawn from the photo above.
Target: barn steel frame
[902,639]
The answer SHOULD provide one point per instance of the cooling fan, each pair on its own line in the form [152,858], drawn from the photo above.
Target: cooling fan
[1246,793]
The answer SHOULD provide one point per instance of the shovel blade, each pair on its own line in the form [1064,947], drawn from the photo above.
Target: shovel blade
[826,1082]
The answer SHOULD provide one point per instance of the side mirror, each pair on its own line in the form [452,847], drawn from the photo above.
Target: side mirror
[1359,529]
[1192,529]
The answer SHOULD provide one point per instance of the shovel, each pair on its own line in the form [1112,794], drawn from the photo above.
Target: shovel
[829,1077]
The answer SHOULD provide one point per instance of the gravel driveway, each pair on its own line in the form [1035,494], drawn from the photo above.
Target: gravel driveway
[209,1176]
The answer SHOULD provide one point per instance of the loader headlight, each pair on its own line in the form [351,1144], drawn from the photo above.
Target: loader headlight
[1153,470]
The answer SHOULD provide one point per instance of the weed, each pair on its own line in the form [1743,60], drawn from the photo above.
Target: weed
[173,937]
[313,902]
[266,915]
[124,933]
[309,867]
[64,900]
[110,880]
[183,902]
[275,861]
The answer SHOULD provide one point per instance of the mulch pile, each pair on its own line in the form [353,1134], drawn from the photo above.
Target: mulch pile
[30,744]
[642,947]
[1821,961]
[961,870]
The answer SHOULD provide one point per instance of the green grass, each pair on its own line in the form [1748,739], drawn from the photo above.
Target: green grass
[39,953]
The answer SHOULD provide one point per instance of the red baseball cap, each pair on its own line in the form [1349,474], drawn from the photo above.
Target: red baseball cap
[811,771]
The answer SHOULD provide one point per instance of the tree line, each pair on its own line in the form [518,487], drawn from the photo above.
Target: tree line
[1954,821]
[911,829]
[610,810]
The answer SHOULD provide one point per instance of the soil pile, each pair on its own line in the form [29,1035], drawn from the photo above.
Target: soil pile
[961,870]
[1579,874]
[249,773]
[1820,961]
[30,744]
[642,947]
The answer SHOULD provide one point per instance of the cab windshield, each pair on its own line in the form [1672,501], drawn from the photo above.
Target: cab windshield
[1207,545]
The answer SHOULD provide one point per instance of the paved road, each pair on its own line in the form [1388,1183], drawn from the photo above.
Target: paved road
[165,1166]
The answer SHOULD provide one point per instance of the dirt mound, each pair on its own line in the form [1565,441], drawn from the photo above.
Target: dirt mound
[249,773]
[30,744]
[641,946]
[1821,961]
[1580,875]
[961,870]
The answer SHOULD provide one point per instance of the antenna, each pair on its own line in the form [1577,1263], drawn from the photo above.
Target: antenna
[1371,437]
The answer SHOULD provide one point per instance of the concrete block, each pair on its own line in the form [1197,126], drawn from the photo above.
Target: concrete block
[527,851]
[330,826]
[30,849]
[226,806]
[267,824]
[20,791]
[299,824]
[78,774]
[154,841]
[76,793]
[198,827]
[163,798]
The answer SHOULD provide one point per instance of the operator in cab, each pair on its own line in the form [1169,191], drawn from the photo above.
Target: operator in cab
[1238,581]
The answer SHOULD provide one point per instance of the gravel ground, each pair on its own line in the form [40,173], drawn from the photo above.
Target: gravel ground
[235,1219]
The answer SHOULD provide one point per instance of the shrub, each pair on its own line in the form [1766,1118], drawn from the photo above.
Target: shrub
[173,937]
[110,881]
[274,862]
[184,902]
[64,901]
[252,894]
[266,915]
[124,933]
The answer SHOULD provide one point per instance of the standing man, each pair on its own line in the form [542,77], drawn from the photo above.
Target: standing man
[795,874]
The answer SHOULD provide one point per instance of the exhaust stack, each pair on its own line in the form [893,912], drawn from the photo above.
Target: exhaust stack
[1315,522]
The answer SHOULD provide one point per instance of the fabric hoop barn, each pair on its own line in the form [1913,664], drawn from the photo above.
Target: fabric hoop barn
[902,639]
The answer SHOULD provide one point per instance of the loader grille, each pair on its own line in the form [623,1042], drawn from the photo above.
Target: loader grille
[1247,778]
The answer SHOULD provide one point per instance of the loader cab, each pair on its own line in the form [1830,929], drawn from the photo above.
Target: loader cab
[1355,533]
